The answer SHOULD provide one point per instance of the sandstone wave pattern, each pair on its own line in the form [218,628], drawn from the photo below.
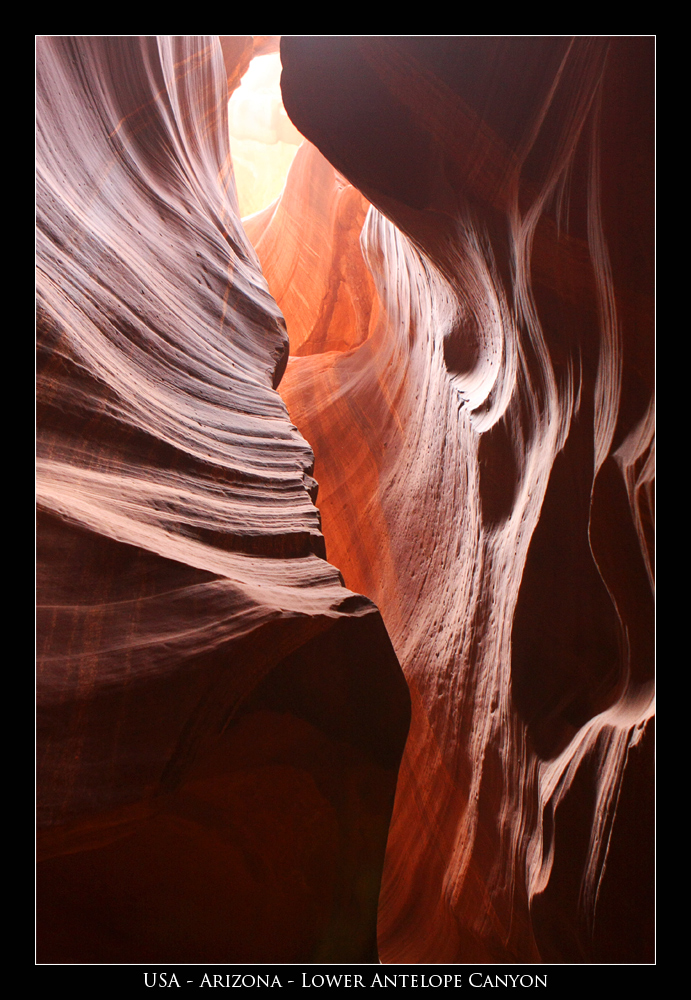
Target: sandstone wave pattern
[220,721]
[446,320]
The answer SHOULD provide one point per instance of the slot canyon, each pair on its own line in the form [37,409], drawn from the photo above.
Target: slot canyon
[345,627]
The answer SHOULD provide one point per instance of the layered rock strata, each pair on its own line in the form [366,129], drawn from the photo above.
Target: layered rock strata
[475,376]
[220,721]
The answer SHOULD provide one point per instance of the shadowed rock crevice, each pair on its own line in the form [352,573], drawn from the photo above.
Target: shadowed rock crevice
[265,839]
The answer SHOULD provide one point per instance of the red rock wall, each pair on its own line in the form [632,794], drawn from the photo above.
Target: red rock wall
[220,721]
[484,446]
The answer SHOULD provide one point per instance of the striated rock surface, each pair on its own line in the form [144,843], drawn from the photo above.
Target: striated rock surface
[481,411]
[220,721]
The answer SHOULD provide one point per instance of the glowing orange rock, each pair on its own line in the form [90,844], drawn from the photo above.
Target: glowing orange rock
[308,244]
[485,462]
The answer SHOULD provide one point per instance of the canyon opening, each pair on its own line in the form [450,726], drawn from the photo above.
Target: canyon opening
[345,487]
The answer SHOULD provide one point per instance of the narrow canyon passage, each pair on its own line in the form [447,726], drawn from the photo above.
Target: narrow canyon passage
[462,260]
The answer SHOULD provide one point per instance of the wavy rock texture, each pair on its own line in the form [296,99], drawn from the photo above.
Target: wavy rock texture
[481,411]
[220,722]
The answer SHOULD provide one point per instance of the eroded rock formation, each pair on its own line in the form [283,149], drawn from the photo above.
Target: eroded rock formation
[220,721]
[463,257]
[482,422]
